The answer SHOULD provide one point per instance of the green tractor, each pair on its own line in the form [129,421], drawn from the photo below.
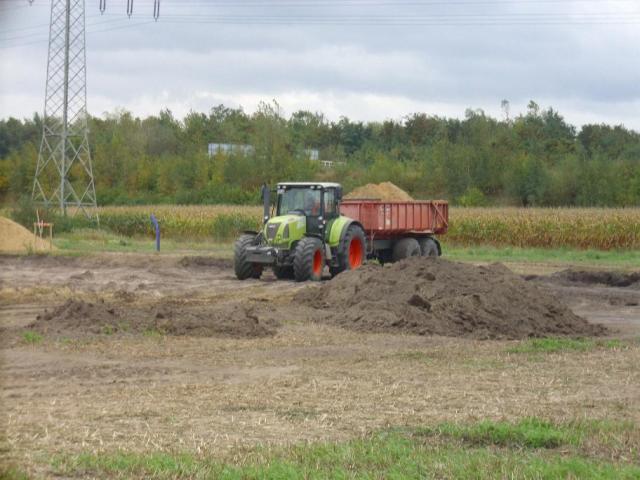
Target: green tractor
[306,233]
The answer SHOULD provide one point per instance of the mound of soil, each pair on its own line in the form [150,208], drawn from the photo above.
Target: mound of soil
[385,191]
[79,318]
[14,238]
[610,279]
[431,296]
[200,261]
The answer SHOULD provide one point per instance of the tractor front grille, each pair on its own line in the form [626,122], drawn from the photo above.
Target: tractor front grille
[272,229]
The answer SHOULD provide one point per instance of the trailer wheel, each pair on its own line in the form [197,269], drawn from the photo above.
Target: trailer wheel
[283,273]
[308,260]
[428,247]
[243,268]
[353,251]
[405,248]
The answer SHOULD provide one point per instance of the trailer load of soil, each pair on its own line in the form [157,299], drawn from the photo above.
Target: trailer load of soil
[14,238]
[385,191]
[79,318]
[431,296]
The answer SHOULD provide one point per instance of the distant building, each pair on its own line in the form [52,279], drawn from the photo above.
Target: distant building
[228,148]
[312,154]
[213,149]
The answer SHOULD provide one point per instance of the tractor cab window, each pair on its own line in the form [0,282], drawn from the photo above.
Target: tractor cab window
[330,203]
[299,200]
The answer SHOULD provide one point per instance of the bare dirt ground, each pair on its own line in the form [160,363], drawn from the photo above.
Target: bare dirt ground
[143,387]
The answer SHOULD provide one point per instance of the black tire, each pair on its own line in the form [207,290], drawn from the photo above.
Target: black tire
[354,235]
[243,268]
[283,273]
[405,248]
[428,247]
[308,260]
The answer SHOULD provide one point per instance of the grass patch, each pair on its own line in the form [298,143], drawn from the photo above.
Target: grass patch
[12,473]
[556,345]
[153,333]
[87,241]
[528,433]
[32,338]
[627,259]
[531,448]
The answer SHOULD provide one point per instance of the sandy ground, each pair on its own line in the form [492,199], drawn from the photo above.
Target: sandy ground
[307,382]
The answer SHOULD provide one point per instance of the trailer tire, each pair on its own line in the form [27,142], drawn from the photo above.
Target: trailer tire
[308,260]
[283,273]
[243,268]
[352,252]
[405,248]
[428,247]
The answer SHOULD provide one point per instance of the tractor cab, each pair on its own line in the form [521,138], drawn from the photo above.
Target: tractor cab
[317,202]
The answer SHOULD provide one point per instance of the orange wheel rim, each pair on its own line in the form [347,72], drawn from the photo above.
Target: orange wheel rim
[317,263]
[355,253]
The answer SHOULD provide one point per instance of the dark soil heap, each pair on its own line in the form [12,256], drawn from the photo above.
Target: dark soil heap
[429,296]
[610,279]
[79,318]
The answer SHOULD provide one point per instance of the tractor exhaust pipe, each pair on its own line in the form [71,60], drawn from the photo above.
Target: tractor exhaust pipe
[266,202]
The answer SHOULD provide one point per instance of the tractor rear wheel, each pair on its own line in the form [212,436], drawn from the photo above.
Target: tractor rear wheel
[283,273]
[428,247]
[405,248]
[308,260]
[243,268]
[352,252]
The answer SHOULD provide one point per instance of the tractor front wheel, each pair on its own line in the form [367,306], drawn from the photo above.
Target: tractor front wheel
[352,252]
[243,268]
[308,260]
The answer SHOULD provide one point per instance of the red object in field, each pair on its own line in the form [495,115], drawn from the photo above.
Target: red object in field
[393,219]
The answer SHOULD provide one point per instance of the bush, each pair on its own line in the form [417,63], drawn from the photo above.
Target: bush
[473,197]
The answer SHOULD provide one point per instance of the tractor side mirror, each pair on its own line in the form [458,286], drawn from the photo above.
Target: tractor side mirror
[338,194]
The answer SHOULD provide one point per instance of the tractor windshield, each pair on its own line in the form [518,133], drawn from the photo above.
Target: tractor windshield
[301,200]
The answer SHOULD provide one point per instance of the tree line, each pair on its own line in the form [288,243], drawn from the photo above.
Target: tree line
[534,159]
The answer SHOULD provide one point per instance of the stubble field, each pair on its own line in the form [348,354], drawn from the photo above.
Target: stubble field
[255,385]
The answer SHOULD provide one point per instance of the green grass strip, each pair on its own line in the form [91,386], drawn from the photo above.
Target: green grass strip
[555,345]
[522,450]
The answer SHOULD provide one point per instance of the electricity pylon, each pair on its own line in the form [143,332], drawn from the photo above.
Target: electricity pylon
[64,175]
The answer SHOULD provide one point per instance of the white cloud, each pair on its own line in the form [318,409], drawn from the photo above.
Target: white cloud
[589,72]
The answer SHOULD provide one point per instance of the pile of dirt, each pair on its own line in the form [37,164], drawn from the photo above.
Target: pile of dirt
[200,261]
[610,279]
[14,238]
[431,296]
[385,191]
[79,318]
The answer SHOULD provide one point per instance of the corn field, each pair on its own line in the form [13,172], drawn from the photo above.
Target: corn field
[578,228]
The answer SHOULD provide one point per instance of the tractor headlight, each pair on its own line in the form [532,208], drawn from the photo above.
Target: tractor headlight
[285,232]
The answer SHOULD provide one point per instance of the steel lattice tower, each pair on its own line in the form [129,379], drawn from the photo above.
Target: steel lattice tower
[64,175]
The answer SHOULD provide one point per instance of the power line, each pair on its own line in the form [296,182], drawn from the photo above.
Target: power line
[129,24]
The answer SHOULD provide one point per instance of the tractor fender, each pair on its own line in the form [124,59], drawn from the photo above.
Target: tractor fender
[337,236]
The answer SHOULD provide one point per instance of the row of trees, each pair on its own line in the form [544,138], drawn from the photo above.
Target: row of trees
[534,159]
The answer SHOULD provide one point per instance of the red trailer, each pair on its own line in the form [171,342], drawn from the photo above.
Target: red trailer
[399,229]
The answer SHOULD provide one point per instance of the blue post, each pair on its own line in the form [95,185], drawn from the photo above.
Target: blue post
[154,220]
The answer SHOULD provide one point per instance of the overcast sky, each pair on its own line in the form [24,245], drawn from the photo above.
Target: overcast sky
[365,59]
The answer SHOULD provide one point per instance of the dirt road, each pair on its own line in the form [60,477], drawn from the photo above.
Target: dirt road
[139,389]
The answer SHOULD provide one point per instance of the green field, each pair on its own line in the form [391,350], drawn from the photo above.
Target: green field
[528,449]
[87,241]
